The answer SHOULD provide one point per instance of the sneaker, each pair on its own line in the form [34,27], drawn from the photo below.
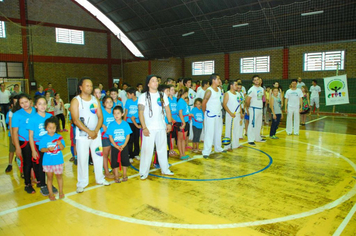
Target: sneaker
[44,191]
[274,137]
[75,161]
[38,184]
[188,147]
[143,177]
[205,156]
[289,134]
[184,157]
[156,166]
[223,151]
[29,189]
[170,173]
[105,183]
[262,141]
[137,158]
[65,130]
[296,134]
[252,143]
[131,160]
[80,189]
[8,168]
[54,189]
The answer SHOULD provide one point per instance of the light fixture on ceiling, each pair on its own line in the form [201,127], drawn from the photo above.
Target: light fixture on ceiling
[240,25]
[187,34]
[312,13]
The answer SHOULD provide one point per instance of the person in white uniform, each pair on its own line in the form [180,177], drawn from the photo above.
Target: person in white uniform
[212,117]
[150,110]
[233,116]
[200,94]
[314,96]
[293,106]
[87,116]
[254,105]
[242,94]
[300,83]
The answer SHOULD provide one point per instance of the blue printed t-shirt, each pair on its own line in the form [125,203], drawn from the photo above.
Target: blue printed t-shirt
[55,157]
[20,120]
[119,132]
[119,103]
[107,119]
[36,124]
[198,117]
[132,110]
[182,105]
[173,106]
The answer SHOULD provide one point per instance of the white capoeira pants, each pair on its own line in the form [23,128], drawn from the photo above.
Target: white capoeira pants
[289,126]
[242,126]
[95,146]
[213,131]
[157,138]
[235,142]
[254,125]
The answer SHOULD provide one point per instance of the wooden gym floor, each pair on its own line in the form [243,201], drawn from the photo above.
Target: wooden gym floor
[297,185]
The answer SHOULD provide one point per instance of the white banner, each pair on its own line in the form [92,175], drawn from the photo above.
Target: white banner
[336,91]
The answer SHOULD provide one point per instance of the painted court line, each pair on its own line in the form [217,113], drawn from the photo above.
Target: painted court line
[328,206]
[345,222]
[97,186]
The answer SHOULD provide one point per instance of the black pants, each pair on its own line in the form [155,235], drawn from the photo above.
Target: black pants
[134,141]
[274,125]
[27,162]
[124,157]
[61,117]
[5,108]
[38,168]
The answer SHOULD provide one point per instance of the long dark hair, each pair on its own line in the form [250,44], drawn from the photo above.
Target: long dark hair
[22,95]
[148,96]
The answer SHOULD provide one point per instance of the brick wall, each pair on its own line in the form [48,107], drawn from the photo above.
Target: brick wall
[167,68]
[12,44]
[57,74]
[135,72]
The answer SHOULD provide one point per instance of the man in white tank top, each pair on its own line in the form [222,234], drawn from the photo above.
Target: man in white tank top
[213,117]
[87,116]
[254,106]
[154,128]
[233,116]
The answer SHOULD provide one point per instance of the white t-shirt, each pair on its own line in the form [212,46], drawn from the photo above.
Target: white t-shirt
[122,95]
[299,85]
[214,103]
[138,93]
[5,97]
[293,97]
[87,115]
[233,102]
[201,93]
[314,91]
[156,121]
[191,95]
[256,94]
[243,90]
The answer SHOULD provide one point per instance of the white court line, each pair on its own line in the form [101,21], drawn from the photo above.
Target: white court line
[345,222]
[97,186]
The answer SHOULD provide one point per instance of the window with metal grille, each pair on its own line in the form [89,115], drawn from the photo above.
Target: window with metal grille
[2,29]
[319,61]
[69,36]
[203,67]
[11,70]
[255,65]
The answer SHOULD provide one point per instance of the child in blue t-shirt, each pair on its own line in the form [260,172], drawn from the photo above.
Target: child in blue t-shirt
[119,133]
[37,130]
[108,117]
[198,118]
[131,116]
[51,145]
[182,122]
